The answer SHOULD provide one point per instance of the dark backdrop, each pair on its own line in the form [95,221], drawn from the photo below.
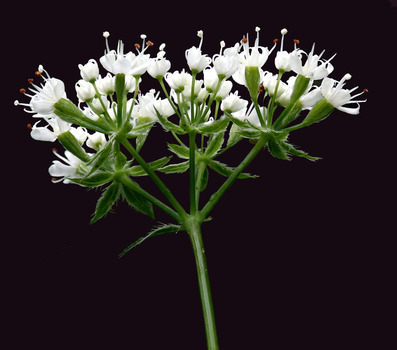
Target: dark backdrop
[301,257]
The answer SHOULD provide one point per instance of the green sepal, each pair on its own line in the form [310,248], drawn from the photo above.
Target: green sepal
[252,78]
[98,179]
[214,127]
[137,170]
[136,200]
[70,113]
[214,144]
[160,230]
[70,143]
[181,151]
[321,110]
[225,170]
[108,198]
[175,168]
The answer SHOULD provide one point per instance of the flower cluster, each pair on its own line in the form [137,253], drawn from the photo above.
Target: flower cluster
[201,99]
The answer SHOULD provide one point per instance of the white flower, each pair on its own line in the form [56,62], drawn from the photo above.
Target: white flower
[72,167]
[85,90]
[159,66]
[106,85]
[43,133]
[283,57]
[178,81]
[233,103]
[338,97]
[145,110]
[255,56]
[195,59]
[226,64]
[314,68]
[96,141]
[224,90]
[90,71]
[45,97]
[120,63]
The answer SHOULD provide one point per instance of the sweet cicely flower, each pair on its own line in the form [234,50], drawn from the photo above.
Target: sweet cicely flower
[45,96]
[196,61]
[338,97]
[89,71]
[314,68]
[70,167]
[159,66]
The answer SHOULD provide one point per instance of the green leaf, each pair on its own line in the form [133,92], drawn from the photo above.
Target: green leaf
[225,170]
[163,229]
[137,201]
[214,127]
[109,196]
[290,149]
[214,144]
[95,180]
[181,151]
[137,170]
[175,168]
[277,150]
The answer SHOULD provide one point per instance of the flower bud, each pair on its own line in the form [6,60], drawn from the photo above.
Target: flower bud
[85,91]
[252,77]
[90,71]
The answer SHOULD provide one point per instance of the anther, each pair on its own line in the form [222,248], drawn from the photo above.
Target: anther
[149,43]
[54,179]
[244,40]
[284,31]
[276,41]
[106,34]
[137,46]
[29,127]
[365,90]
[30,81]
[162,47]
[37,73]
[54,150]
[296,41]
[22,91]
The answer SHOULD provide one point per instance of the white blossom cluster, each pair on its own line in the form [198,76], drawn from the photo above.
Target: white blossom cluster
[199,96]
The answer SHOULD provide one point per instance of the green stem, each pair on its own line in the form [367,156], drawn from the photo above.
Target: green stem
[163,188]
[193,227]
[237,171]
[199,178]
[126,181]
[192,172]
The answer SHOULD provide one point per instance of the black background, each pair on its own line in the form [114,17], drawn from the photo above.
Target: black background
[304,256]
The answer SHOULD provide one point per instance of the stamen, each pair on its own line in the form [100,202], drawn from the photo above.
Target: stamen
[222,43]
[29,127]
[244,40]
[137,46]
[143,37]
[106,36]
[276,41]
[200,34]
[257,29]
[30,81]
[296,42]
[22,91]
[149,43]
[283,32]
[365,90]
[54,150]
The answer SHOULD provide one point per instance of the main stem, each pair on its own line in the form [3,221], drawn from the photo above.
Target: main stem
[194,230]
